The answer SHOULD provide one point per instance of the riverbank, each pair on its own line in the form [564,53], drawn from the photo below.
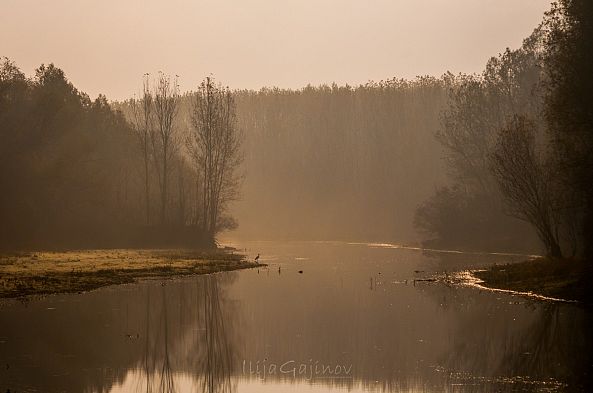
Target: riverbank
[43,273]
[565,279]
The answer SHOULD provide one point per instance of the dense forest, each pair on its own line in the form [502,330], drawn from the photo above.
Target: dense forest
[518,141]
[66,162]
[494,161]
[79,173]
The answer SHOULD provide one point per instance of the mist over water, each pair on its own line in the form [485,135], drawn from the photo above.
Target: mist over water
[296,196]
[350,307]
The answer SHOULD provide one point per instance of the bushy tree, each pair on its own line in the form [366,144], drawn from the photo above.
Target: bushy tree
[526,182]
[479,106]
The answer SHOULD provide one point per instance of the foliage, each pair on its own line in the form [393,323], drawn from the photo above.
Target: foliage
[499,143]
[569,105]
[472,209]
[69,167]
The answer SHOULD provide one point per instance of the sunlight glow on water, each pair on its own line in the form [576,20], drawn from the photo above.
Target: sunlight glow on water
[357,306]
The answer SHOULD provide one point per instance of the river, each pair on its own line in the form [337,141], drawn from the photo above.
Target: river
[321,317]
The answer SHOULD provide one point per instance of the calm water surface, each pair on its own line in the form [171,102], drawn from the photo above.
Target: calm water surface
[323,316]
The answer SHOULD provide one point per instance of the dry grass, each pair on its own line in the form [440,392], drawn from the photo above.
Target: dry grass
[38,273]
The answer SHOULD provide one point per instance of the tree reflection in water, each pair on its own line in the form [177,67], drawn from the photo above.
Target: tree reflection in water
[548,346]
[188,334]
[515,344]
[148,361]
[202,342]
[215,354]
[167,383]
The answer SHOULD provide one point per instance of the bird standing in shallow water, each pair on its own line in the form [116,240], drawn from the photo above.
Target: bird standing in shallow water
[257,259]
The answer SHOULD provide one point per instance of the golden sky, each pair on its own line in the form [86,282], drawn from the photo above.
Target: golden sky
[106,45]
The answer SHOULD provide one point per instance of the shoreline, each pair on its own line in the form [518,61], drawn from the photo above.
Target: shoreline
[469,278]
[548,279]
[28,274]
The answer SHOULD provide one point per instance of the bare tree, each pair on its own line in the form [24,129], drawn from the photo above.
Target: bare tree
[164,139]
[215,147]
[143,125]
[525,181]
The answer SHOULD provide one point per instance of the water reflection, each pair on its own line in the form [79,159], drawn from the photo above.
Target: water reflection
[555,345]
[194,343]
[216,355]
[201,334]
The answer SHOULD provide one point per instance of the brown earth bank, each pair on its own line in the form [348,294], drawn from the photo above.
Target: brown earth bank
[41,273]
[566,279]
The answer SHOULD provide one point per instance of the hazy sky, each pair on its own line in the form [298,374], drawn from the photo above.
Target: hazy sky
[106,45]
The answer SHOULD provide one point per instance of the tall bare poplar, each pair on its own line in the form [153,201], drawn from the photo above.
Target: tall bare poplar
[164,138]
[215,147]
[143,125]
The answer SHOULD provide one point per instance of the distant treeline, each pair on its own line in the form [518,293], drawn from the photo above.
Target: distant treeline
[339,162]
[355,163]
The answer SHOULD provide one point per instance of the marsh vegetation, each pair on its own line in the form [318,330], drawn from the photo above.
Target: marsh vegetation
[41,273]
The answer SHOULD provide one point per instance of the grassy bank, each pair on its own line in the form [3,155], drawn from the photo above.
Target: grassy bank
[557,278]
[40,273]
